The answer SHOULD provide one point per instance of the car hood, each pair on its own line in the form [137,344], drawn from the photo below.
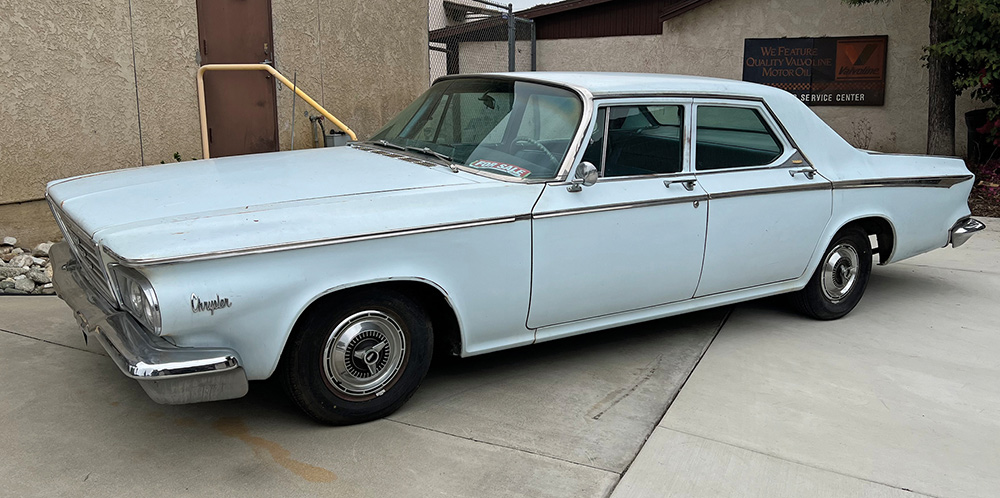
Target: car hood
[218,206]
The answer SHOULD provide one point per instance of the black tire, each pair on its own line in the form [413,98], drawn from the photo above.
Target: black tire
[363,333]
[830,293]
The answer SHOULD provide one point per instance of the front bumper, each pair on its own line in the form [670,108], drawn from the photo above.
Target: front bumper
[169,374]
[963,230]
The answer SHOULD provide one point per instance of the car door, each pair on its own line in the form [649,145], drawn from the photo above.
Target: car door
[767,207]
[636,237]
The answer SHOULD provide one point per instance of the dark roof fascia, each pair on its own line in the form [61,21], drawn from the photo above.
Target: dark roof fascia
[442,35]
[678,9]
[556,8]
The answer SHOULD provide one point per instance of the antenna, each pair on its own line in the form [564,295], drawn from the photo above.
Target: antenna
[295,77]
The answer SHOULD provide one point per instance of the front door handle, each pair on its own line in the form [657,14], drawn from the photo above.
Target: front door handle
[687,183]
[809,173]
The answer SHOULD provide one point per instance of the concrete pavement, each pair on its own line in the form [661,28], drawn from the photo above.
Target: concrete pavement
[558,419]
[900,395]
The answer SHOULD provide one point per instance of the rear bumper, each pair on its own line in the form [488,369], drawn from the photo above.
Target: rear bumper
[963,230]
[169,374]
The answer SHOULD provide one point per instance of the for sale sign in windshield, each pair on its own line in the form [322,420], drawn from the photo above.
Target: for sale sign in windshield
[820,71]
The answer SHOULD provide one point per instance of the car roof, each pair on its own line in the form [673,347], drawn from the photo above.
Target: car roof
[611,84]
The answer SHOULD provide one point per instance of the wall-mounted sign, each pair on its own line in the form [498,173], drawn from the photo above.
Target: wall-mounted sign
[820,71]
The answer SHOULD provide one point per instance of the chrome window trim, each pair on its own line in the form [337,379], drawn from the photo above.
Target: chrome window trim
[787,147]
[132,262]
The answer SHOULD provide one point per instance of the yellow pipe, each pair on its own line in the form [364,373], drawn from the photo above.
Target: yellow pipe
[255,67]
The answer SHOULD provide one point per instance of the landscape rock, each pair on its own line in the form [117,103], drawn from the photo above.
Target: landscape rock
[24,260]
[11,271]
[23,283]
[39,261]
[14,291]
[42,250]
[16,251]
[48,291]
[9,241]
[48,271]
[7,283]
[38,276]
[5,257]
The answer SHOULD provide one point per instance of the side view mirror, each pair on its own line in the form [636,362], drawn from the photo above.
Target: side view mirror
[586,175]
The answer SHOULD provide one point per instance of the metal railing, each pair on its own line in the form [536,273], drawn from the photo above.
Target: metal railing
[256,67]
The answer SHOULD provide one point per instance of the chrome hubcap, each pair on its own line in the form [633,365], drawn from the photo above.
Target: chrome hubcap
[840,272]
[363,353]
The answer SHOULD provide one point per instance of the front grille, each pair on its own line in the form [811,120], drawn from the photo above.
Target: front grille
[86,251]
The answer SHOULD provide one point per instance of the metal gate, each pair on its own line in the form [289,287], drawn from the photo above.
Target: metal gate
[478,36]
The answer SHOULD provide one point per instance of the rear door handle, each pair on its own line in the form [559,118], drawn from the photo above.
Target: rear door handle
[687,183]
[809,173]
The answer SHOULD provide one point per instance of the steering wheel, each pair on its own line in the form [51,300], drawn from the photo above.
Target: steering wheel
[520,141]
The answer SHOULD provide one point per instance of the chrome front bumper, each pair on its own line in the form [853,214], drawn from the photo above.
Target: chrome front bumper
[169,374]
[963,230]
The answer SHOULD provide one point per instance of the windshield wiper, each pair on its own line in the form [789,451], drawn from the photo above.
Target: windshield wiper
[386,143]
[431,152]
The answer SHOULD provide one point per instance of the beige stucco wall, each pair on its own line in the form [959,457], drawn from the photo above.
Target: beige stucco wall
[166,60]
[67,93]
[362,61]
[73,102]
[708,41]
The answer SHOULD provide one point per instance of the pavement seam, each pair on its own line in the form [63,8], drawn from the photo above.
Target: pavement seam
[48,342]
[804,464]
[490,443]
[677,392]
[966,270]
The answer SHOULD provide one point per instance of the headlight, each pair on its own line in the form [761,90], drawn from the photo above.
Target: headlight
[137,297]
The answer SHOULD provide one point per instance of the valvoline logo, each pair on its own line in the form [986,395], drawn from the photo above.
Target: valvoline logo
[860,60]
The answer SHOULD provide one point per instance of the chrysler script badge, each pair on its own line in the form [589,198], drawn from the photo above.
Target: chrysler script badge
[211,305]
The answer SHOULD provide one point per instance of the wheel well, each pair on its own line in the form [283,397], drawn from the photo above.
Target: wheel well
[882,230]
[447,336]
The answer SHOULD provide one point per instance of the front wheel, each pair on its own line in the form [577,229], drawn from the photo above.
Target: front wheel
[839,282]
[360,359]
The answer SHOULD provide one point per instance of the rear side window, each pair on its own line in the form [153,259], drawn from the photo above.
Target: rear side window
[733,137]
[644,140]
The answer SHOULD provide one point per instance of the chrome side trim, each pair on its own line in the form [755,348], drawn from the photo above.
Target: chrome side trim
[620,206]
[772,190]
[963,230]
[318,242]
[916,181]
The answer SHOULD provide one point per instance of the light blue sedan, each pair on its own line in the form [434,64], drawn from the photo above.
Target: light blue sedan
[495,211]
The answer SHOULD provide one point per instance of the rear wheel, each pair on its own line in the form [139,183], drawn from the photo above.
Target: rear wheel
[360,359]
[838,284]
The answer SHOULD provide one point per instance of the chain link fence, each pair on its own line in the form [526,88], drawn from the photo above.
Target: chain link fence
[478,36]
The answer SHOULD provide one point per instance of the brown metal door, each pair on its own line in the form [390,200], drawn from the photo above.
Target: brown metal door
[240,105]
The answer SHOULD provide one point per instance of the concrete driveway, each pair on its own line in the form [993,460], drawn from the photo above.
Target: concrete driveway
[900,395]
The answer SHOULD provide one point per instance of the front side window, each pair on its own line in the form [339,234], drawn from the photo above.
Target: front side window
[733,137]
[512,128]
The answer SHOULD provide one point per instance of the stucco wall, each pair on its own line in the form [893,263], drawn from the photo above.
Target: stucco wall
[67,93]
[166,60]
[73,102]
[362,61]
[708,41]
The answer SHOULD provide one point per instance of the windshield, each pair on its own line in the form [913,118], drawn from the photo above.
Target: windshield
[511,128]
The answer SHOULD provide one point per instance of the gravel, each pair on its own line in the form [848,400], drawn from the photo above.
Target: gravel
[25,271]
